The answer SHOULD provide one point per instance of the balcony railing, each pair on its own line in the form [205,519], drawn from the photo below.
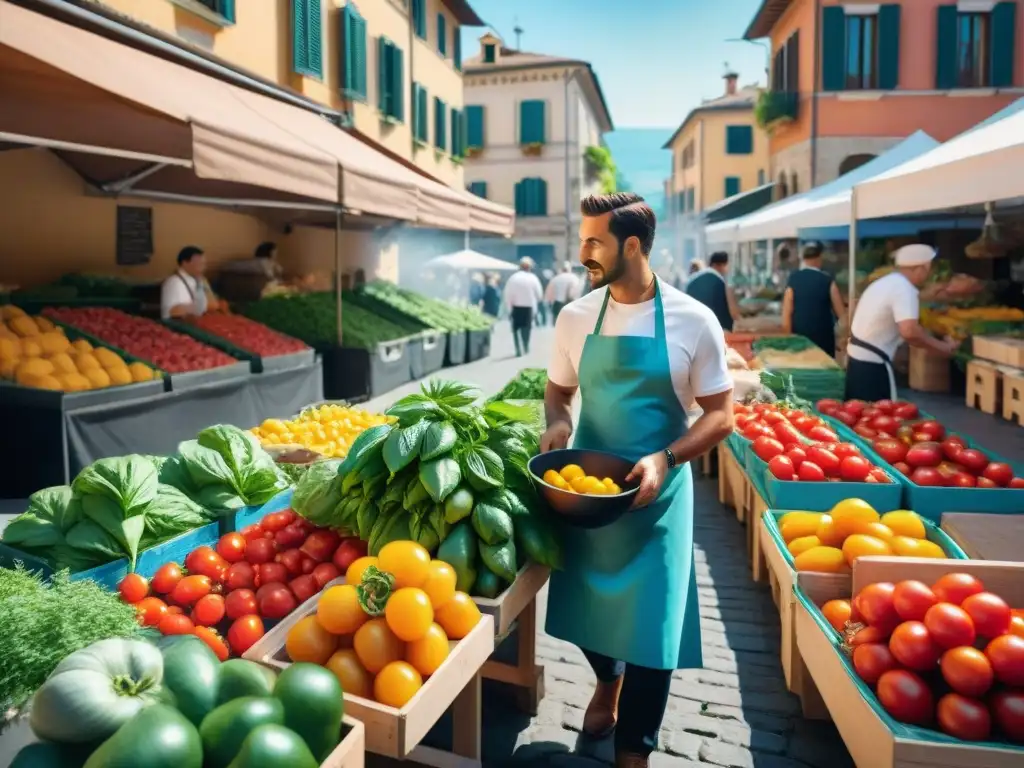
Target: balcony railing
[776,107]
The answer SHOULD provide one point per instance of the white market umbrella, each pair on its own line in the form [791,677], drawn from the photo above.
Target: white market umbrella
[467,260]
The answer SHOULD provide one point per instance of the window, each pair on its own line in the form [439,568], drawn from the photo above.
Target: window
[861,52]
[531,122]
[458,134]
[972,49]
[532,197]
[225,8]
[440,124]
[442,35]
[478,188]
[474,127]
[976,49]
[489,53]
[732,185]
[419,113]
[457,47]
[739,139]
[419,18]
[307,38]
[390,75]
[688,155]
[691,194]
[353,57]
[786,65]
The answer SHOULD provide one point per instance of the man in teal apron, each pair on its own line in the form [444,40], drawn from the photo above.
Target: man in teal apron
[635,348]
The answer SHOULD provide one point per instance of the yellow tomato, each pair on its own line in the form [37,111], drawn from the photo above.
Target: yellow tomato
[571,472]
[309,641]
[903,522]
[927,548]
[849,513]
[612,486]
[553,478]
[355,681]
[795,525]
[396,684]
[429,652]
[877,530]
[827,532]
[821,559]
[859,545]
[802,544]
[407,561]
[440,583]
[905,546]
[354,574]
[458,616]
[376,645]
[409,613]
[579,484]
[339,610]
[593,487]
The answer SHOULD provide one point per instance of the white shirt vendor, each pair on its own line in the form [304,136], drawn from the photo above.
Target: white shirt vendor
[562,288]
[523,289]
[181,288]
[696,342]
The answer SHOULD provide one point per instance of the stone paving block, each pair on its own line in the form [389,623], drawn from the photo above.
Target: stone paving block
[731,732]
[764,721]
[818,744]
[662,760]
[680,743]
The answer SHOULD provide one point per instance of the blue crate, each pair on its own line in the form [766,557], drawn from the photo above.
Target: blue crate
[236,521]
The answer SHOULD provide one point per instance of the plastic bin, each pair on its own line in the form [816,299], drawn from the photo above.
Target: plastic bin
[478,345]
[358,374]
[455,353]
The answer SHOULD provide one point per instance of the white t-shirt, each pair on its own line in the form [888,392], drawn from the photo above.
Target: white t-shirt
[181,288]
[562,288]
[696,343]
[523,289]
[886,302]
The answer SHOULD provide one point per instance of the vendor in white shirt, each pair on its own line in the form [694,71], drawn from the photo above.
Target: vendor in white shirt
[186,292]
[562,289]
[523,294]
[887,315]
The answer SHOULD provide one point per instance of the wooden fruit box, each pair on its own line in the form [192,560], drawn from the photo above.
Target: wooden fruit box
[506,607]
[351,752]
[987,537]
[397,733]
[873,738]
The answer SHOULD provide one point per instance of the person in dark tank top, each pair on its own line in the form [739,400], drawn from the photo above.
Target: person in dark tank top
[812,303]
[709,288]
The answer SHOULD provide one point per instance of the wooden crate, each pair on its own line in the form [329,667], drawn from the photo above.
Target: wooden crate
[725,497]
[1013,396]
[516,608]
[351,752]
[984,386]
[987,537]
[928,372]
[397,733]
[1004,350]
[758,506]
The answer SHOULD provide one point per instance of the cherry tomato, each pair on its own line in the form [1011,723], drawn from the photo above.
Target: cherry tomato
[1016,626]
[290,537]
[967,670]
[251,532]
[275,521]
[956,587]
[949,625]
[1007,656]
[176,624]
[308,565]
[320,545]
[231,547]
[912,599]
[809,472]
[240,603]
[767,448]
[214,641]
[1008,711]
[277,602]
[906,697]
[782,467]
[797,455]
[303,587]
[205,562]
[133,588]
[290,559]
[324,573]
[209,610]
[872,660]
[166,578]
[176,610]
[825,459]
[271,573]
[842,450]
[869,635]
[990,614]
[348,551]
[963,718]
[150,611]
[244,632]
[913,647]
[258,551]
[190,589]
[240,576]
[837,613]
[855,469]
[875,603]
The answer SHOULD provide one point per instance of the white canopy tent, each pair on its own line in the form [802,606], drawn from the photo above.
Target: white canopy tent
[470,261]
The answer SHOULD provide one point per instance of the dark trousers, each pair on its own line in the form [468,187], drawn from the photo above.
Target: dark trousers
[641,705]
[522,325]
[867,381]
[556,307]
[542,314]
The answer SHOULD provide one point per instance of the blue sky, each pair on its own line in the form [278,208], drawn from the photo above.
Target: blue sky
[654,64]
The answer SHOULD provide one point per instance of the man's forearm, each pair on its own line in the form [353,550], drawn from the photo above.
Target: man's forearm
[557,405]
[921,338]
[707,431]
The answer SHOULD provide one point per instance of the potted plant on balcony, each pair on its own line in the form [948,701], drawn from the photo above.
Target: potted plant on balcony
[533,148]
[474,151]
[773,110]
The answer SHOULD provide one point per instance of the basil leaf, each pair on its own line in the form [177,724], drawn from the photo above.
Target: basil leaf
[483,468]
[440,477]
[439,438]
[402,446]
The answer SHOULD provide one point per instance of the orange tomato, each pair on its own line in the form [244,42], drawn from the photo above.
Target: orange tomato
[429,652]
[1016,625]
[376,645]
[396,684]
[458,616]
[339,610]
[407,561]
[409,613]
[859,545]
[837,613]
[821,559]
[309,641]
[827,532]
[796,525]
[802,544]
[355,681]
[440,583]
[354,574]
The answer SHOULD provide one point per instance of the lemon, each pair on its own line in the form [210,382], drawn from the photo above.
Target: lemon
[571,472]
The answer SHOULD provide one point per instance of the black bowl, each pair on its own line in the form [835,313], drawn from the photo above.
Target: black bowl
[579,510]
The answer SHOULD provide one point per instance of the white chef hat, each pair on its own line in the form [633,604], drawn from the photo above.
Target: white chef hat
[914,255]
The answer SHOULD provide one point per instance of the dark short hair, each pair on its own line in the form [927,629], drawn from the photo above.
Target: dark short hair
[812,249]
[718,257]
[188,253]
[265,250]
[630,217]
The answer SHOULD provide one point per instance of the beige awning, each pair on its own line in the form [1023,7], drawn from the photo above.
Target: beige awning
[490,217]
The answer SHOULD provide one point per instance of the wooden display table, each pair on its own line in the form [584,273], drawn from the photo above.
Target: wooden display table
[987,537]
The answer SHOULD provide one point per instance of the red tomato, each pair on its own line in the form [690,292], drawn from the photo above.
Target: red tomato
[974,460]
[240,603]
[1017,482]
[1006,653]
[177,610]
[304,587]
[166,578]
[912,599]
[878,475]
[824,434]
[260,550]
[913,646]
[782,467]
[924,455]
[324,573]
[765,448]
[277,602]
[869,635]
[308,565]
[1008,711]
[244,632]
[240,576]
[771,418]
[268,588]
[903,468]
[190,589]
[961,480]
[905,411]
[231,547]
[1016,626]
[885,406]
[927,476]
[251,532]
[753,430]
[872,660]
[209,610]
[825,459]
[290,537]
[906,697]
[933,429]
[290,559]
[133,588]
[990,614]
[214,641]
[203,561]
[855,406]
[967,670]
[348,552]
[999,473]
[796,455]
[271,573]
[952,447]
[833,405]
[175,624]
[890,450]
[876,604]
[275,521]
[963,718]
[885,423]
[984,482]
[787,434]
[150,611]
[842,450]
[956,587]
[854,469]
[949,625]
[810,472]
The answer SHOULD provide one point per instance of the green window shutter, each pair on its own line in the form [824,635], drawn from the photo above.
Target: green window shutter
[946,48]
[531,122]
[541,197]
[833,48]
[475,126]
[422,102]
[353,57]
[442,36]
[521,198]
[479,188]
[1003,24]
[489,53]
[417,115]
[455,132]
[316,38]
[361,59]
[440,126]
[889,46]
[397,74]
[457,47]
[300,36]
[383,75]
[739,139]
[732,185]
[226,8]
[419,18]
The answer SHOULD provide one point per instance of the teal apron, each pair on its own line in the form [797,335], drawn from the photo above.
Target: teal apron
[628,590]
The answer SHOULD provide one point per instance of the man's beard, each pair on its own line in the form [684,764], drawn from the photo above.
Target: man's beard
[608,276]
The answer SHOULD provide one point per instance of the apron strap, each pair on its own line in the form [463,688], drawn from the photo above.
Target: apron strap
[191,293]
[659,313]
[886,361]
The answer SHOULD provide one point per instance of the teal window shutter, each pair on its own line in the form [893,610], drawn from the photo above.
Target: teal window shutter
[732,185]
[419,124]
[489,53]
[889,46]
[946,48]
[421,105]
[353,57]
[307,38]
[440,126]
[739,139]
[531,122]
[1003,26]
[479,188]
[419,18]
[316,38]
[542,197]
[455,120]
[521,198]
[457,47]
[226,8]
[383,77]
[474,126]
[833,48]
[397,73]
[360,60]
[442,36]
[690,196]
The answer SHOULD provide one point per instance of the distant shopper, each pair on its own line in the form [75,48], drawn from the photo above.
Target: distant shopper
[186,292]
[812,303]
[523,294]
[709,288]
[562,289]
[491,300]
[476,289]
[696,267]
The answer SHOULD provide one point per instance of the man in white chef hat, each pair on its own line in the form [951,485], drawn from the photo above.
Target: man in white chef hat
[888,314]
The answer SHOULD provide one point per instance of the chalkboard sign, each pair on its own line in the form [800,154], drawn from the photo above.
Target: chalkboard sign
[134,235]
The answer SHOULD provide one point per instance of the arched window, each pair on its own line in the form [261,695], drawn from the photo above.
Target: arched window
[850,162]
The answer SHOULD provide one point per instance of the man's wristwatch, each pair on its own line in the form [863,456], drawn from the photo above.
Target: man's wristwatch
[671,457]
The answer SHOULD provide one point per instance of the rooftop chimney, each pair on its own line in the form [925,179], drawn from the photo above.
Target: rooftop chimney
[731,77]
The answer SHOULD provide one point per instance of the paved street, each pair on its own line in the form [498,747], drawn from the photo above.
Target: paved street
[734,713]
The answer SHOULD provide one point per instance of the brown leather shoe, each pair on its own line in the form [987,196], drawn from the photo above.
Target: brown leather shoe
[629,760]
[603,711]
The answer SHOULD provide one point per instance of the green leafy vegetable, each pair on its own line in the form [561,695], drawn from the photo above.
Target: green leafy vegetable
[483,468]
[402,446]
[318,494]
[440,477]
[438,440]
